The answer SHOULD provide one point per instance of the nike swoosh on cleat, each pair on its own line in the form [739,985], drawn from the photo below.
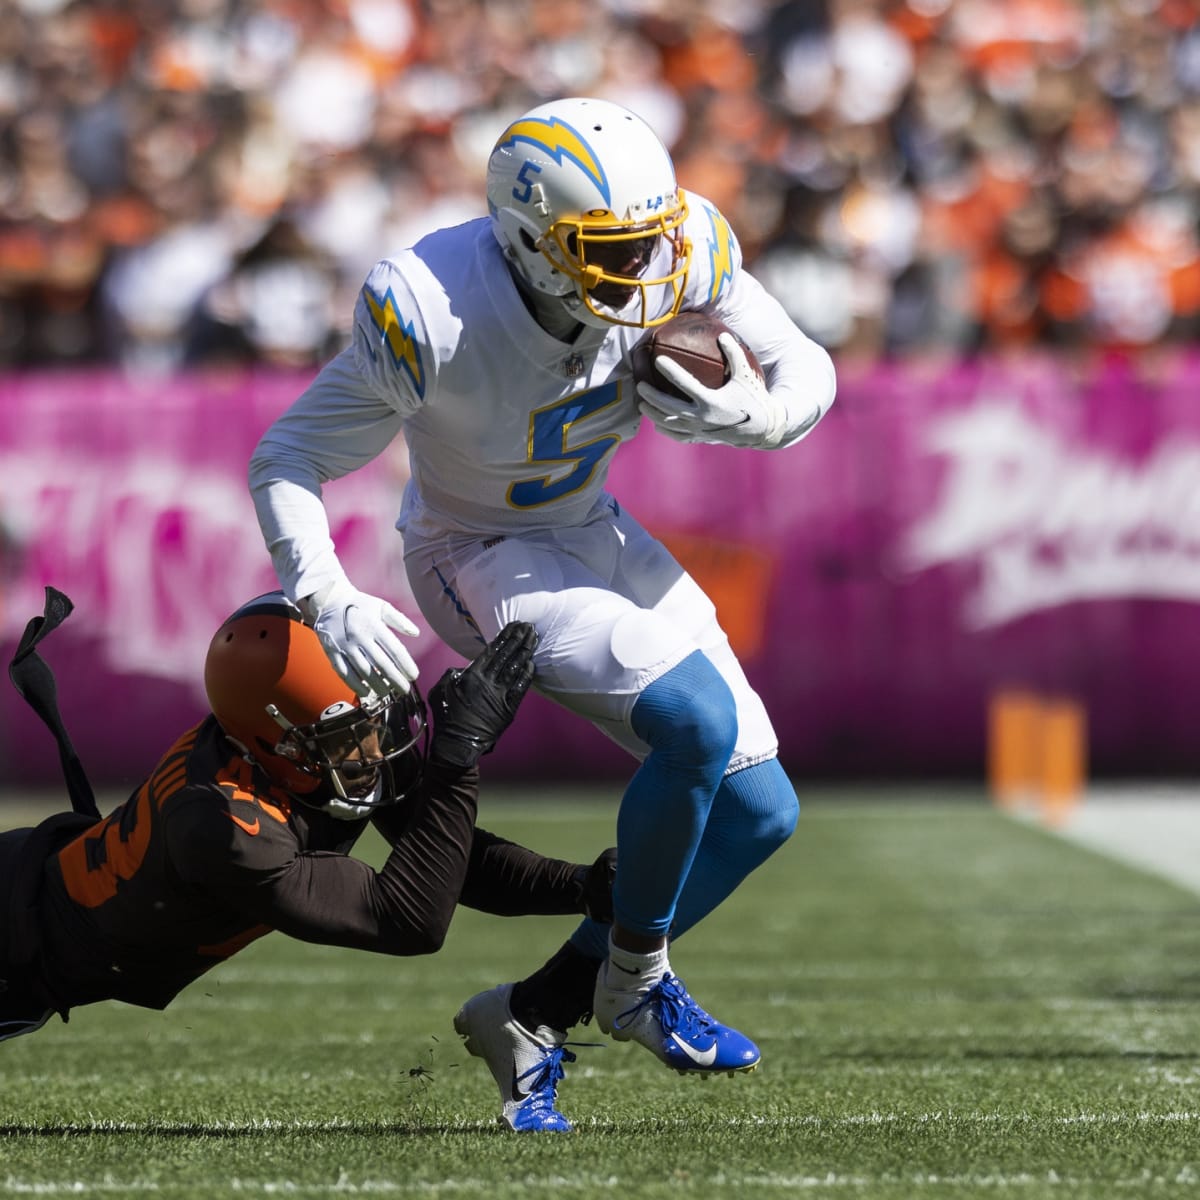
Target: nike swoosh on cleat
[251,829]
[515,1090]
[702,1058]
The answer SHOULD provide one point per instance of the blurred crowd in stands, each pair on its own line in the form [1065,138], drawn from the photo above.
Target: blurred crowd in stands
[207,181]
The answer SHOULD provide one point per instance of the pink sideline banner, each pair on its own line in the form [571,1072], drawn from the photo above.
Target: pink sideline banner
[948,530]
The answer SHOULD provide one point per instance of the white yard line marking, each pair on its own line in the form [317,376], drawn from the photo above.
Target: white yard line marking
[658,1124]
[591,1184]
[1155,828]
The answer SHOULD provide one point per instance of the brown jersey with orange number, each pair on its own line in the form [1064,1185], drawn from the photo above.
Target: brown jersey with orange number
[206,856]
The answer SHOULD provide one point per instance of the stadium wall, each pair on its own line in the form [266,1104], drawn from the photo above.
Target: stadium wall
[951,529]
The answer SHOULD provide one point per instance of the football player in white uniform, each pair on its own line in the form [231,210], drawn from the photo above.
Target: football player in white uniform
[501,349]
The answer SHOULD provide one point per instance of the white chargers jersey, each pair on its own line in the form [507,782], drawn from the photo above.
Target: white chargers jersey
[508,429]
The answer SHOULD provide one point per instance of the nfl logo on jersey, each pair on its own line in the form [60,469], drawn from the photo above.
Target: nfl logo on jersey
[573,366]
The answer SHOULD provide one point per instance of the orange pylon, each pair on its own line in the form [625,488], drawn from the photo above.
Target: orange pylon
[1013,717]
[1063,757]
[1037,752]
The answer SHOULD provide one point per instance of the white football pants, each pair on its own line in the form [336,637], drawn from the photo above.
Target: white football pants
[613,609]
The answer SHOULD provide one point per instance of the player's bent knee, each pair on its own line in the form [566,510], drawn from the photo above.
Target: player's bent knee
[780,824]
[767,801]
[772,829]
[689,715]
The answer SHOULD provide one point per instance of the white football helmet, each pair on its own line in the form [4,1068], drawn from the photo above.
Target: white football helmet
[584,203]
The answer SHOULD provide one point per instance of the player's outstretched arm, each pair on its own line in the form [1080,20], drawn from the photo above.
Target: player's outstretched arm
[509,880]
[472,707]
[405,907]
[336,426]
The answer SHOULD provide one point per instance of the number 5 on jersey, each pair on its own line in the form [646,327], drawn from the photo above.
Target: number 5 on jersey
[550,432]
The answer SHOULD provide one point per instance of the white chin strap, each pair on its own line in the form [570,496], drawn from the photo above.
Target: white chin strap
[351,810]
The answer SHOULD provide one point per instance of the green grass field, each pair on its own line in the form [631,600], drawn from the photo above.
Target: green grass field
[949,1004]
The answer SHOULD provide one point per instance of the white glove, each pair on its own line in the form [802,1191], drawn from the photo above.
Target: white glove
[741,413]
[356,631]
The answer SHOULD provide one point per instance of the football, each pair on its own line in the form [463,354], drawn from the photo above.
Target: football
[690,339]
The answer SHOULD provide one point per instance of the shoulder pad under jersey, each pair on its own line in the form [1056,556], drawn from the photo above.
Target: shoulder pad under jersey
[391,348]
[716,255]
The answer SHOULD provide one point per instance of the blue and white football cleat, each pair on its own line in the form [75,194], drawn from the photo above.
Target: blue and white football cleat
[526,1066]
[668,1022]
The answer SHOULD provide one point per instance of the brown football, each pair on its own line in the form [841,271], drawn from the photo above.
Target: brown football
[690,339]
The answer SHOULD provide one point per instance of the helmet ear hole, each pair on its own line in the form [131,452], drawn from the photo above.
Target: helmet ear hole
[527,241]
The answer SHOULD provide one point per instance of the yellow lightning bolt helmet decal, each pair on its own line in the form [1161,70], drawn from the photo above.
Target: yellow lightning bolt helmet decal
[720,252]
[560,141]
[397,335]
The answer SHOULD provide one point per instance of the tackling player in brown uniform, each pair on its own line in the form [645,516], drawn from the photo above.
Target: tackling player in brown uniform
[246,823]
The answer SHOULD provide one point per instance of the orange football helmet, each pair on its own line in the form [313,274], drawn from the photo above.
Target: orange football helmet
[272,689]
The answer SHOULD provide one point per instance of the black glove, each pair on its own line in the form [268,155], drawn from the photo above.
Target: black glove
[474,705]
[595,884]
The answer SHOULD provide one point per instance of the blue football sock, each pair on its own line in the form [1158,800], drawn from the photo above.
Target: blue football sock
[689,720]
